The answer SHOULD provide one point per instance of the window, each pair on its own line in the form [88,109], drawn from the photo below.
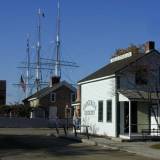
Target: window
[141,76]
[53,97]
[73,97]
[109,111]
[100,111]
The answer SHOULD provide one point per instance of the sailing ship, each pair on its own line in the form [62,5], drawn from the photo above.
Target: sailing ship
[34,83]
[53,98]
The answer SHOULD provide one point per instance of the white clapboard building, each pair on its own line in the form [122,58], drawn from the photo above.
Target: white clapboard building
[122,98]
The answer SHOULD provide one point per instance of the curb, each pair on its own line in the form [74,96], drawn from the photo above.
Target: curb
[71,138]
[108,147]
[89,142]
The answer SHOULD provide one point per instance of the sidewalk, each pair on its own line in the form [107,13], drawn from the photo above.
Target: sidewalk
[139,148]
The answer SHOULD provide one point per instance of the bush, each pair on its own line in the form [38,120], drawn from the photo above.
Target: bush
[18,110]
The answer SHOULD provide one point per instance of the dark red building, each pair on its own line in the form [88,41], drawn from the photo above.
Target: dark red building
[2,92]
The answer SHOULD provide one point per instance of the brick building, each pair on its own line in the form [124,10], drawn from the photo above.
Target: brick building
[2,92]
[53,101]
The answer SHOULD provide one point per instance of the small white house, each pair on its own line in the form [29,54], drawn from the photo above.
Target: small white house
[122,98]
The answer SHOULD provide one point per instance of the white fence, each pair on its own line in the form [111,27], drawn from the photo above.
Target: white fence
[15,122]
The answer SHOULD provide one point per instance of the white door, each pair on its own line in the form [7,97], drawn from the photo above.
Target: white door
[154,117]
[52,112]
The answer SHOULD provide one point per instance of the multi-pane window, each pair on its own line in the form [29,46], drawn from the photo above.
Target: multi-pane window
[109,111]
[100,111]
[53,97]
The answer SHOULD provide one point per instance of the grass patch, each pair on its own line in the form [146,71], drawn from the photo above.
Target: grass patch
[156,146]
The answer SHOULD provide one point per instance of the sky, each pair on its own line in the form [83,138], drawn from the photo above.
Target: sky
[91,31]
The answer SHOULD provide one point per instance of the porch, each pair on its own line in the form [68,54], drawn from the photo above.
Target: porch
[136,114]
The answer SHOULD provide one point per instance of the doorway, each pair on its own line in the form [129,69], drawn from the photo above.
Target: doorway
[52,112]
[133,117]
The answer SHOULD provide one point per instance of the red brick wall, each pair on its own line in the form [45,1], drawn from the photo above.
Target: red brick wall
[63,98]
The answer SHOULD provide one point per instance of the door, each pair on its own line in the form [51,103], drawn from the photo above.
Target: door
[52,112]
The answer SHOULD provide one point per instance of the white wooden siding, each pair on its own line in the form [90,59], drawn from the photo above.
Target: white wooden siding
[99,91]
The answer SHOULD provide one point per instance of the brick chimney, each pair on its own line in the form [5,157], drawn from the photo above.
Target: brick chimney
[54,80]
[150,45]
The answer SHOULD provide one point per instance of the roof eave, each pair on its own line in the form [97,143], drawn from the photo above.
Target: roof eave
[96,79]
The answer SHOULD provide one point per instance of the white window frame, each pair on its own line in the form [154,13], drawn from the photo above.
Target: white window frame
[51,97]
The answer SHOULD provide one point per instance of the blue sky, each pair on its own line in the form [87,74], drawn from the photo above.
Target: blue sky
[91,30]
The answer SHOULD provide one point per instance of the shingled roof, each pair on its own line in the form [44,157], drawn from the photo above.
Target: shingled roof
[143,95]
[48,90]
[115,67]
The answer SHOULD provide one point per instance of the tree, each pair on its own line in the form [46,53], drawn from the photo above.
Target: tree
[135,49]
[17,110]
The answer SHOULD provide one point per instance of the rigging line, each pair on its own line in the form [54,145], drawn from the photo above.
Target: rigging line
[69,62]
[36,68]
[53,64]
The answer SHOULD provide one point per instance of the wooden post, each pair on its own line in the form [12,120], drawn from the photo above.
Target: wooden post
[57,129]
[130,123]
[75,131]
[65,132]
[87,132]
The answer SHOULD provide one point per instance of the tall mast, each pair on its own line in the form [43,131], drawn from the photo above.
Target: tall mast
[38,71]
[57,63]
[28,66]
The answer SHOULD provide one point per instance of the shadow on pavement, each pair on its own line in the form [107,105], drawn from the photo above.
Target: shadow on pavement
[41,147]
[50,144]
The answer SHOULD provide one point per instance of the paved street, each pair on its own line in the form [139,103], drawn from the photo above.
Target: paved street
[40,147]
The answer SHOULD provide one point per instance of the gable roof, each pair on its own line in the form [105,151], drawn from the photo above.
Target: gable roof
[48,90]
[115,67]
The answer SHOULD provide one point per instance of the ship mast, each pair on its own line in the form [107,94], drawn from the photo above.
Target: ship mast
[58,43]
[28,66]
[38,47]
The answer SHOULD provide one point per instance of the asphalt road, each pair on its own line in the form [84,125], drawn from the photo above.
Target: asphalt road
[33,147]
